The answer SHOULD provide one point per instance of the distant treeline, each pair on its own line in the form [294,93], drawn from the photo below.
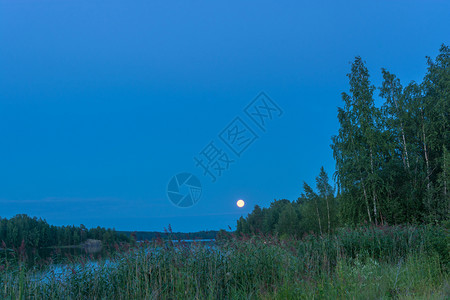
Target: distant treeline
[151,235]
[392,161]
[311,212]
[37,233]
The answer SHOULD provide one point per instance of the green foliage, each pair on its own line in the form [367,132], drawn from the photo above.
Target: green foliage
[391,162]
[288,221]
[312,212]
[151,235]
[37,233]
[363,263]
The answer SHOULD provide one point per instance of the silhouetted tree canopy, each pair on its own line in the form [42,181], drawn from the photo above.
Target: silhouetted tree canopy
[37,233]
[392,161]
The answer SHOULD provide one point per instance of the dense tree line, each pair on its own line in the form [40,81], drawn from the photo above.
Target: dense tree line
[392,161]
[151,235]
[37,233]
[311,212]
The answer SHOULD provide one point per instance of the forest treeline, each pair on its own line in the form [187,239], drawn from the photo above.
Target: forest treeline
[392,161]
[151,235]
[37,233]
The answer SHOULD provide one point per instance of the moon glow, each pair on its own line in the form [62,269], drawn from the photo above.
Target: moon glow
[240,203]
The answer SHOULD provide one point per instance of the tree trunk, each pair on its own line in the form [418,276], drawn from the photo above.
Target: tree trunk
[367,200]
[318,215]
[426,155]
[427,163]
[328,211]
[404,146]
[373,189]
[405,155]
[445,180]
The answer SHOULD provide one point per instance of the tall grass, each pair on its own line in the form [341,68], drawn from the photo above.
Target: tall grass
[362,263]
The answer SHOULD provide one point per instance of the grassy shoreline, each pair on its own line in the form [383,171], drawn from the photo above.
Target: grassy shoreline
[363,263]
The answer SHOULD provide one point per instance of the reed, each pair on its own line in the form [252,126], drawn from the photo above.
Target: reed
[360,263]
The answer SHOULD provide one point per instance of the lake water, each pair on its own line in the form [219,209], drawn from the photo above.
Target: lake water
[65,261]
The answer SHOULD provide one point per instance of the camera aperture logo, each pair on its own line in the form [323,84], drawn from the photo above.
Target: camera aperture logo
[184,189]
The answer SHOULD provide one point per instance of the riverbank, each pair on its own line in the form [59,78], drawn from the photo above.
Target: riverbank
[363,263]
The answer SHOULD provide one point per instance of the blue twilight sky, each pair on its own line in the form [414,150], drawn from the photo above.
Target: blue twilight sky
[102,102]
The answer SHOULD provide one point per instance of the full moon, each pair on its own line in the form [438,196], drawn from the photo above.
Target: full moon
[240,203]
